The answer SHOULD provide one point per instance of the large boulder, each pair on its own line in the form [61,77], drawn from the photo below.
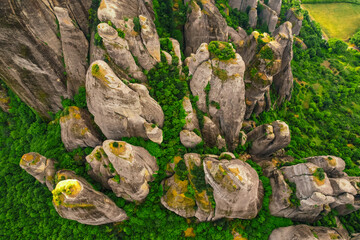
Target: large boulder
[39,167]
[122,110]
[233,185]
[77,129]
[237,190]
[220,88]
[123,168]
[204,24]
[75,199]
[269,138]
[31,49]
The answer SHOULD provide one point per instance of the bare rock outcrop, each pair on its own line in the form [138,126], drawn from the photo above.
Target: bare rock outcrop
[122,110]
[77,129]
[189,138]
[269,138]
[74,54]
[269,17]
[296,18]
[123,168]
[39,167]
[31,63]
[204,24]
[233,185]
[75,199]
[138,39]
[306,192]
[220,89]
[333,166]
[306,232]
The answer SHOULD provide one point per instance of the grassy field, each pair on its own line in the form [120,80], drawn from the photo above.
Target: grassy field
[338,20]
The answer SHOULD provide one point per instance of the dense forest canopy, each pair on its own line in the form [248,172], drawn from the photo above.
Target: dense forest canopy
[323,115]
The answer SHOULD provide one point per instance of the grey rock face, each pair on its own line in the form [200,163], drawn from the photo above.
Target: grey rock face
[75,199]
[77,129]
[119,52]
[295,19]
[306,232]
[253,16]
[275,5]
[31,51]
[74,54]
[316,194]
[220,88]
[142,39]
[235,185]
[191,118]
[269,138]
[4,100]
[269,66]
[122,110]
[242,5]
[333,166]
[238,193]
[123,168]
[203,26]
[189,139]
[269,17]
[39,167]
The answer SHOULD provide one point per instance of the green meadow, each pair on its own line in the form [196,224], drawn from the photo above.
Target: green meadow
[337,20]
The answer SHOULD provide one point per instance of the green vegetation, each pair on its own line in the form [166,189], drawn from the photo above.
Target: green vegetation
[356,39]
[294,201]
[338,20]
[170,19]
[222,50]
[233,17]
[137,26]
[319,174]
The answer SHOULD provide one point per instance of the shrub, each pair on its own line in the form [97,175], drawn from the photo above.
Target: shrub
[222,50]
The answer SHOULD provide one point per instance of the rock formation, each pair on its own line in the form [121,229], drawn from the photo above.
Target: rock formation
[233,185]
[306,232]
[306,192]
[75,199]
[119,109]
[219,85]
[268,138]
[295,17]
[268,16]
[204,24]
[132,41]
[39,167]
[74,54]
[123,168]
[77,129]
[188,137]
[31,49]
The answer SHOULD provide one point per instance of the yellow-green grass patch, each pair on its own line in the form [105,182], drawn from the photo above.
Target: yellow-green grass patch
[337,20]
